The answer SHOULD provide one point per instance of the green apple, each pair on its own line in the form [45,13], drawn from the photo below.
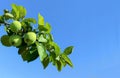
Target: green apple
[15,40]
[5,40]
[30,38]
[15,26]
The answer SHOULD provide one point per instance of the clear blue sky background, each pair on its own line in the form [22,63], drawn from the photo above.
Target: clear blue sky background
[91,26]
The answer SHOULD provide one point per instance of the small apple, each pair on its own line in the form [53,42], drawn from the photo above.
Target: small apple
[15,40]
[5,40]
[30,38]
[15,26]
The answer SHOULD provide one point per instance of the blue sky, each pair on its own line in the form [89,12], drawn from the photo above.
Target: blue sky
[91,26]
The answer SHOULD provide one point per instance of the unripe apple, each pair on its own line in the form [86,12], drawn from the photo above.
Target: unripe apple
[30,38]
[15,26]
[15,40]
[5,40]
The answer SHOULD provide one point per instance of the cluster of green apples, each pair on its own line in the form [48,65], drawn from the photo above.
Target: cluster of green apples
[32,42]
[16,39]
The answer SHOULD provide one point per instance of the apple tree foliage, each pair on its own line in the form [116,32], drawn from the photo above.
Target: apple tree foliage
[32,42]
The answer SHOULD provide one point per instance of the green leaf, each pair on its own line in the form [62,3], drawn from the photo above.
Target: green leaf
[41,51]
[58,58]
[48,27]
[30,20]
[22,49]
[26,25]
[27,56]
[63,62]
[52,58]
[22,11]
[67,60]
[15,11]
[1,19]
[56,48]
[41,23]
[18,12]
[33,49]
[49,37]
[68,50]
[59,65]
[40,20]
[8,16]
[42,39]
[45,62]
[32,56]
[42,28]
